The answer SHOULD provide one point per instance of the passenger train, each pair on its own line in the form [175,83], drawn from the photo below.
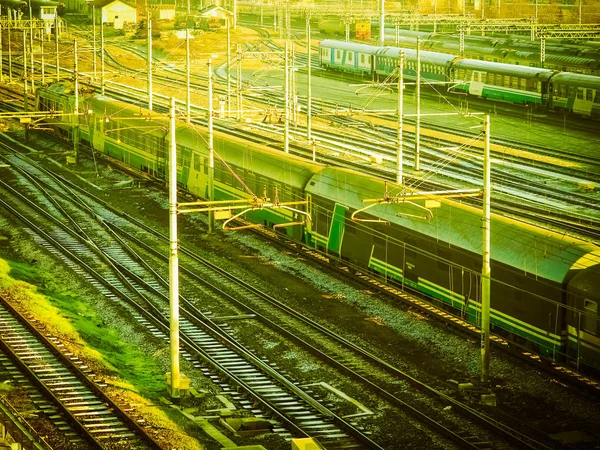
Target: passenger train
[545,287]
[562,56]
[521,85]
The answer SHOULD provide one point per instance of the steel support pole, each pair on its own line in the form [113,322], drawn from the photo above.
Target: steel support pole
[76,129]
[211,150]
[56,33]
[309,82]
[42,62]
[188,91]
[94,66]
[418,118]
[240,112]
[10,53]
[382,25]
[228,68]
[286,90]
[149,63]
[102,82]
[486,269]
[25,85]
[31,67]
[399,174]
[173,258]
[234,15]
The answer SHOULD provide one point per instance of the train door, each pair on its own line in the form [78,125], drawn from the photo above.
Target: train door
[583,332]
[583,101]
[325,56]
[545,89]
[477,82]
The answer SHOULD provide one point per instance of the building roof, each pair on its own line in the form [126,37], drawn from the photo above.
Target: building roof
[213,8]
[104,3]
[161,6]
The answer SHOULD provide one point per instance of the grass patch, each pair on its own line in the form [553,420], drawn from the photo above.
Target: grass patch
[69,314]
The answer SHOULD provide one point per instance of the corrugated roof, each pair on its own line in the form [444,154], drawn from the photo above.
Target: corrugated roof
[342,45]
[104,3]
[548,254]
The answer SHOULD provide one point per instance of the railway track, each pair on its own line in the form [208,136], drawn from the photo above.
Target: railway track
[531,181]
[535,183]
[204,340]
[121,277]
[68,392]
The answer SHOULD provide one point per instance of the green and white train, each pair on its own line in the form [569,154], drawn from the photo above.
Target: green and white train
[522,85]
[545,288]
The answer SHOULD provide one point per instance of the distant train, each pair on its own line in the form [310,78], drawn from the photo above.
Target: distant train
[40,9]
[545,288]
[563,56]
[515,84]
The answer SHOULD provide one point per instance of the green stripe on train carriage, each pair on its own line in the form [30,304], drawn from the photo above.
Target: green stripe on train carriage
[586,341]
[510,323]
[386,269]
[530,332]
[319,238]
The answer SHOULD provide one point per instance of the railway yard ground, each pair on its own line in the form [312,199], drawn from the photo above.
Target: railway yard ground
[130,359]
[132,363]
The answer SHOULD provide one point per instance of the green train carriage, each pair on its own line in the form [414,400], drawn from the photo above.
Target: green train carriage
[544,286]
[441,256]
[142,143]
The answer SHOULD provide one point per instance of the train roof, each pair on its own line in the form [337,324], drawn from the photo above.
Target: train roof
[572,60]
[342,45]
[512,70]
[262,160]
[441,59]
[272,163]
[527,248]
[577,79]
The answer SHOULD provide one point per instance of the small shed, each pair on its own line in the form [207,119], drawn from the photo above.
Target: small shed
[162,12]
[115,12]
[214,17]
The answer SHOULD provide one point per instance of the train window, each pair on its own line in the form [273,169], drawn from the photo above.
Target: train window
[370,59]
[590,317]
[350,55]
[514,82]
[588,95]
[490,78]
[338,54]
[580,93]
[522,83]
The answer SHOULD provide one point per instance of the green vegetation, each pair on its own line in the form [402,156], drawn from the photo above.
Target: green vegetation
[71,315]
